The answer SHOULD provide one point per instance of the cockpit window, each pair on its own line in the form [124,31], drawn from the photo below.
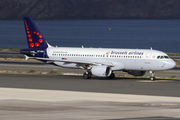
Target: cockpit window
[167,57]
[162,57]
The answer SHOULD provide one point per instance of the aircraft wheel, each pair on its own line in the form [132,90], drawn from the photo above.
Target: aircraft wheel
[87,75]
[153,78]
[152,75]
[112,76]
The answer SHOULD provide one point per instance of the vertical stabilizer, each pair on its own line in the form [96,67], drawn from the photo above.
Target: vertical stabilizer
[36,41]
[34,37]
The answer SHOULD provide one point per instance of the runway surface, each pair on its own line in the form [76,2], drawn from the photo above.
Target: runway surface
[100,85]
[56,97]
[71,97]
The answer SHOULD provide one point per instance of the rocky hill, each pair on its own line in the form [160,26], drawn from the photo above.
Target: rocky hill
[90,9]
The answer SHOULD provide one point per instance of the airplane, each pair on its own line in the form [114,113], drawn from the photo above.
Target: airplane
[101,62]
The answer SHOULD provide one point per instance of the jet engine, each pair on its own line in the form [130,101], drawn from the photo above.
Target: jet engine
[135,72]
[101,71]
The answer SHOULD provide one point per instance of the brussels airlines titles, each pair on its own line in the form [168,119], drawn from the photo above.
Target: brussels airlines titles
[127,53]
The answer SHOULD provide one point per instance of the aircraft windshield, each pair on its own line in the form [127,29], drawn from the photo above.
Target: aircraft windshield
[162,57]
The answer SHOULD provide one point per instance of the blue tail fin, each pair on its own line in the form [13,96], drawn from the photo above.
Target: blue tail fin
[34,37]
[36,42]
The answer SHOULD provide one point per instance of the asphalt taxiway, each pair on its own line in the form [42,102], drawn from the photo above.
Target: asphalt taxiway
[137,86]
[140,86]
[32,97]
[69,97]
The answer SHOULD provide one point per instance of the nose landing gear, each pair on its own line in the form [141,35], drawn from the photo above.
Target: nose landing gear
[152,75]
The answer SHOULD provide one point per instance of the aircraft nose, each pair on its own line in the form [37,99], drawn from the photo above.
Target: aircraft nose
[171,64]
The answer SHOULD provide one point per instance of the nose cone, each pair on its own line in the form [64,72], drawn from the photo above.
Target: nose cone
[171,64]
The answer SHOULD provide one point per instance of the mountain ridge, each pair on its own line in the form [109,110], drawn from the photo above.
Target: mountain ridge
[90,9]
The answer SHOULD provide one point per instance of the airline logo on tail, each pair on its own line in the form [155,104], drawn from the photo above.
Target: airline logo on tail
[34,37]
[36,42]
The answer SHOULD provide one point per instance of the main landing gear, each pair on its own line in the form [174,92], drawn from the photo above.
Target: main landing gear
[112,76]
[87,75]
[152,75]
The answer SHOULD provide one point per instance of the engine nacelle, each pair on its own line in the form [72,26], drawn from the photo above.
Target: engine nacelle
[101,71]
[136,73]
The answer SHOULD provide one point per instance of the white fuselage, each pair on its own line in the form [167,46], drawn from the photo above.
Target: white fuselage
[100,62]
[119,59]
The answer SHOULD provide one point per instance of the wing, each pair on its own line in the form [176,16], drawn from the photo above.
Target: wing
[75,61]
